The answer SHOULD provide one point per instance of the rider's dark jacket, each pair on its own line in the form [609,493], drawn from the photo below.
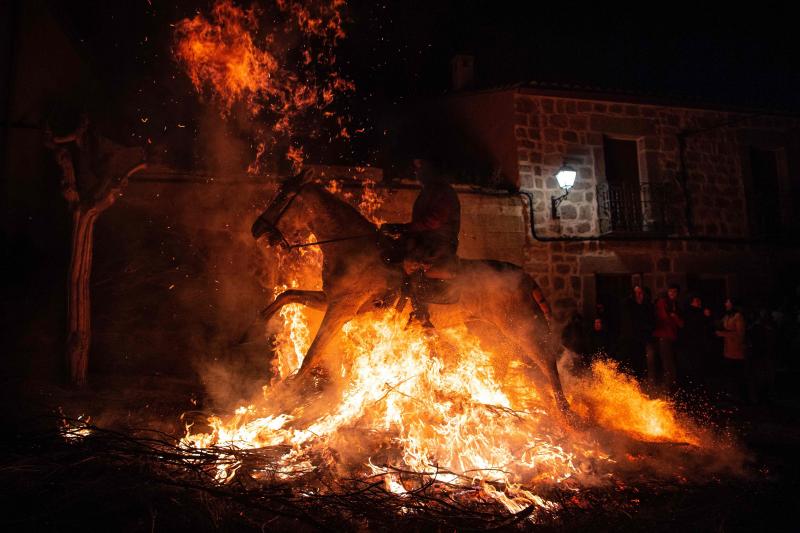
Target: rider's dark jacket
[436,218]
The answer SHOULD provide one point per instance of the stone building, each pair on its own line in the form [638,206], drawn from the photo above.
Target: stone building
[666,191]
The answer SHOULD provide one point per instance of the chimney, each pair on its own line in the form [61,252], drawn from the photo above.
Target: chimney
[462,71]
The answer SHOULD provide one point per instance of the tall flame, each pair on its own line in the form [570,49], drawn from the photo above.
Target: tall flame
[301,269]
[229,64]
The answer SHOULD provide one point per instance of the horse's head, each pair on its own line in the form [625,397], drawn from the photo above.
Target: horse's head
[267,222]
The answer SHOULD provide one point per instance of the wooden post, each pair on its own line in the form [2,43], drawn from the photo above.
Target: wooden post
[86,201]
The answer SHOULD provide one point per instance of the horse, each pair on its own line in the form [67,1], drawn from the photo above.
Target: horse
[356,278]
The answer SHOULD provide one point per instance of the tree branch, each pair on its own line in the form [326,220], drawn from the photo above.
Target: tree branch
[105,200]
[69,186]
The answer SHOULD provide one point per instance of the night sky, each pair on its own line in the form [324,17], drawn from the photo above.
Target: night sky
[399,52]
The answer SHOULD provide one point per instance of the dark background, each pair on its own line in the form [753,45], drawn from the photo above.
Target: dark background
[114,60]
[397,52]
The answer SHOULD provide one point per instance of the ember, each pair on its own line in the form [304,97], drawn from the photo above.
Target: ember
[229,63]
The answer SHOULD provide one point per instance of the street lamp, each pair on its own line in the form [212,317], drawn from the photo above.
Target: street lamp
[565,176]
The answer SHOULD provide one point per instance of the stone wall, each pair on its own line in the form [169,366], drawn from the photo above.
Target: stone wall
[492,226]
[550,131]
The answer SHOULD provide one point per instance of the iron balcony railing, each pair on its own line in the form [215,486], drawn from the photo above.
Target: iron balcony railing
[633,208]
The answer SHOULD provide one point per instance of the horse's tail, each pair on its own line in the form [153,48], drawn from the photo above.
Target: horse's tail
[541,301]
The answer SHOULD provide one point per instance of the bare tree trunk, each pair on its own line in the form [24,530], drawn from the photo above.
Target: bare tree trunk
[78,296]
[114,166]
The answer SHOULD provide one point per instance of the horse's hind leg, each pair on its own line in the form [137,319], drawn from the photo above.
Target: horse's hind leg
[533,335]
[313,299]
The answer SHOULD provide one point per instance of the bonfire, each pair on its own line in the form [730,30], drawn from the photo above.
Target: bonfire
[392,420]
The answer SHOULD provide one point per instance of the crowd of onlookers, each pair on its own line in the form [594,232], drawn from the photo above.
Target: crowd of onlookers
[672,342]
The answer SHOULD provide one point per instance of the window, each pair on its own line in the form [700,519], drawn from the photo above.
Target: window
[626,203]
[622,161]
[619,198]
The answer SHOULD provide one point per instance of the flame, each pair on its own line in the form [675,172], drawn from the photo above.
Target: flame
[438,400]
[222,59]
[616,400]
[302,268]
[229,63]
[292,342]
[74,430]
[371,202]
[446,412]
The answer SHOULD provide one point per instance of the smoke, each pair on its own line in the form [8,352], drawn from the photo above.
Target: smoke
[179,281]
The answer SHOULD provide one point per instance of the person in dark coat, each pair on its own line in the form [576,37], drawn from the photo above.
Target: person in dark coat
[599,340]
[636,329]
[695,345]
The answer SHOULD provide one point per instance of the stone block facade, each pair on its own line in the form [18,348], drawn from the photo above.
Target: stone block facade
[698,158]
[551,131]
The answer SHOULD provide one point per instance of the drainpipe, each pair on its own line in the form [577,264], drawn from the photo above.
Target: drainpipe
[526,195]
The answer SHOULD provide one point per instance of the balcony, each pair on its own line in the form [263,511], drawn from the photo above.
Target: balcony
[627,208]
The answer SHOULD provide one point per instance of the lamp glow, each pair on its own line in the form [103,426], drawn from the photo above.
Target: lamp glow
[566,177]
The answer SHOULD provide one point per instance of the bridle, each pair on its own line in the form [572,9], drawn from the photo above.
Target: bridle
[272,227]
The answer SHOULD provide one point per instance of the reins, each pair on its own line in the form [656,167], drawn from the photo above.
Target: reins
[328,241]
[274,227]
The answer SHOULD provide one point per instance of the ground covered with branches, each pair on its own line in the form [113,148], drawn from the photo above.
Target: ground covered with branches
[61,478]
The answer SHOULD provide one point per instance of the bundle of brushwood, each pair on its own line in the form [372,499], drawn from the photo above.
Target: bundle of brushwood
[84,476]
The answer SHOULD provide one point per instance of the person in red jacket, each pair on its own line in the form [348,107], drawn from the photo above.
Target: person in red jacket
[430,240]
[668,322]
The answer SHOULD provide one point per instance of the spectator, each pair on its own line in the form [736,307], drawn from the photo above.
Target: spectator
[668,323]
[636,330]
[735,351]
[598,338]
[693,356]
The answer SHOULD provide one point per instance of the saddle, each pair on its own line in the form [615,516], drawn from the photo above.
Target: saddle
[423,282]
[429,290]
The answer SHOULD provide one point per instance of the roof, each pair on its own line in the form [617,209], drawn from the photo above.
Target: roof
[616,94]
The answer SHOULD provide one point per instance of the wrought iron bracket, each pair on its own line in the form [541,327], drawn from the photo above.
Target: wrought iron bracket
[555,201]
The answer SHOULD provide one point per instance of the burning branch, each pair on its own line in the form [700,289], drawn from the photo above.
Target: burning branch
[103,171]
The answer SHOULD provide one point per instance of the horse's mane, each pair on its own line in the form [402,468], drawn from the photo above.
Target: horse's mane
[345,214]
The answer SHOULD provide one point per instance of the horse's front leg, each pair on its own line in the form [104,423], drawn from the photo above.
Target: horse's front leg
[313,299]
[336,315]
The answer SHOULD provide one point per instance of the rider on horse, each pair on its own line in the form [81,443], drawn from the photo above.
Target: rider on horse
[429,242]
